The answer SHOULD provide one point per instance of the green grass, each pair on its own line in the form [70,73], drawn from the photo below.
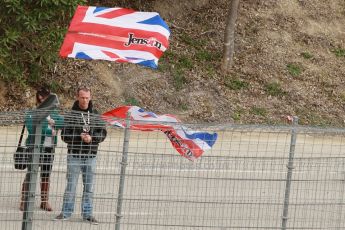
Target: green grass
[258,111]
[306,116]
[204,55]
[315,119]
[294,69]
[274,89]
[339,52]
[179,79]
[185,62]
[166,60]
[237,114]
[177,66]
[35,73]
[131,101]
[55,86]
[307,55]
[236,84]
[188,40]
[183,107]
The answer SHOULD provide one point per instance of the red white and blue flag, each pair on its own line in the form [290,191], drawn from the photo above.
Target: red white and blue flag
[190,144]
[116,34]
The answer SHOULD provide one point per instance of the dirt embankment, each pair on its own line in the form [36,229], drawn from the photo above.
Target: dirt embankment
[289,60]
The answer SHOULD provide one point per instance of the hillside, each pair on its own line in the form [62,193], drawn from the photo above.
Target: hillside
[289,60]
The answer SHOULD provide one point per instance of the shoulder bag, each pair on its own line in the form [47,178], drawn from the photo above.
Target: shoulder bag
[21,156]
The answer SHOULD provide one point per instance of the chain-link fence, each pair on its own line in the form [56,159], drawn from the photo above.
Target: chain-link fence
[254,177]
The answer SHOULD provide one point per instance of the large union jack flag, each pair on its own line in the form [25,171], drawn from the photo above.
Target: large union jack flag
[116,34]
[189,143]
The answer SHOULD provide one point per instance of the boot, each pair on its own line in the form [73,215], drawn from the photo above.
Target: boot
[44,195]
[23,195]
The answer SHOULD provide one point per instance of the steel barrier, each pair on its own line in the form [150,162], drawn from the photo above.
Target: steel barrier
[254,177]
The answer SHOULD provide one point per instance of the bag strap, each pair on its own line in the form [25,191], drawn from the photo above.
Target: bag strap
[21,136]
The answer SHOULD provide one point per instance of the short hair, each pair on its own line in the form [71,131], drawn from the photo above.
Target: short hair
[83,88]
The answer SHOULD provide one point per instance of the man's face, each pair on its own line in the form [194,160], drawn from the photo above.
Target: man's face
[84,98]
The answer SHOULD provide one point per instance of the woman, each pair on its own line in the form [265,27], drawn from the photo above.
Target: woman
[50,125]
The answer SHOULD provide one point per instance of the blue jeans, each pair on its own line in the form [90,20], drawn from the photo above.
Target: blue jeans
[74,165]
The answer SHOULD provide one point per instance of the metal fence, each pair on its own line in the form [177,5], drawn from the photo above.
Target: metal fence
[254,177]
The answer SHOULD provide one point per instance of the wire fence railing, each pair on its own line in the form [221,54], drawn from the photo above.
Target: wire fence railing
[254,177]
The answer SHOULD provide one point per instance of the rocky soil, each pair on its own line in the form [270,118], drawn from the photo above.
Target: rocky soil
[288,61]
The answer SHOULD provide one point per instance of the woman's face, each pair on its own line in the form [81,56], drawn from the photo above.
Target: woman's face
[41,99]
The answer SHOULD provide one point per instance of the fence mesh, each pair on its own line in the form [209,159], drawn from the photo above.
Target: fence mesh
[241,183]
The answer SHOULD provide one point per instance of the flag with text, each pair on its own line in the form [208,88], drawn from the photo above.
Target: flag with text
[189,143]
[116,34]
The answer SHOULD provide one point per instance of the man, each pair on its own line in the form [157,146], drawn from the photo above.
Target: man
[83,131]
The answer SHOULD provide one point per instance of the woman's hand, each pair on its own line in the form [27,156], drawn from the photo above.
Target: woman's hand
[51,122]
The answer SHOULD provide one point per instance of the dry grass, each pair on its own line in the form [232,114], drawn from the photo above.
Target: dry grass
[298,44]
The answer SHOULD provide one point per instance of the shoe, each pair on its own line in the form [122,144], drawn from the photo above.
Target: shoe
[61,217]
[46,206]
[21,206]
[91,220]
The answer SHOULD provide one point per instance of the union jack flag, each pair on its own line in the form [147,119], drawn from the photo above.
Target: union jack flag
[190,144]
[116,34]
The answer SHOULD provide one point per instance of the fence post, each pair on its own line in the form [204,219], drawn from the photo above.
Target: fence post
[32,180]
[341,201]
[289,174]
[37,116]
[123,173]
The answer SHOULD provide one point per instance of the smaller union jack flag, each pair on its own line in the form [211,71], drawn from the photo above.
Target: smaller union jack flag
[190,144]
[116,34]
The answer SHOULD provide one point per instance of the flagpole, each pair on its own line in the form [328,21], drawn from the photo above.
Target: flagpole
[123,172]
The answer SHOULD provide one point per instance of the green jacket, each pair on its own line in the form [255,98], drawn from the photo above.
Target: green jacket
[46,130]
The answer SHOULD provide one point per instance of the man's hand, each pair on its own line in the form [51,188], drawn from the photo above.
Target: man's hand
[86,137]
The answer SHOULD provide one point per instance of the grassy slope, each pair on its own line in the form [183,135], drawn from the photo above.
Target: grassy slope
[289,60]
